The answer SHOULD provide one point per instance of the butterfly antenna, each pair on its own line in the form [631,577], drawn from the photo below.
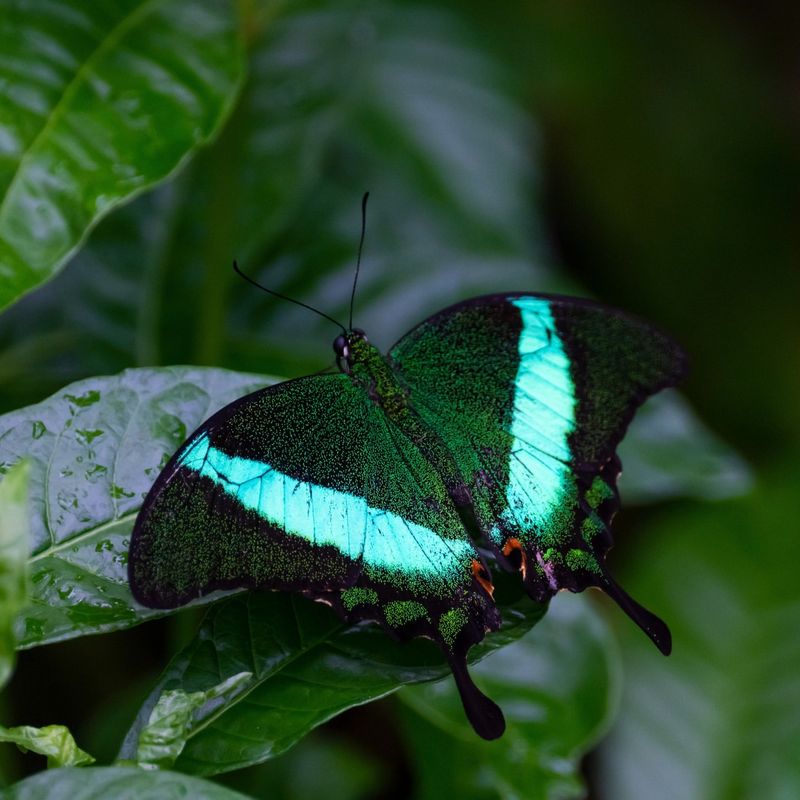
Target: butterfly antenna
[360,248]
[284,297]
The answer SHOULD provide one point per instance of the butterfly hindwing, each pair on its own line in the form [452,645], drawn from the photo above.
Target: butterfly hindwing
[308,486]
[532,394]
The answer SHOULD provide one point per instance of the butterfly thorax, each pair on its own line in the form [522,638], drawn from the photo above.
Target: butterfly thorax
[368,367]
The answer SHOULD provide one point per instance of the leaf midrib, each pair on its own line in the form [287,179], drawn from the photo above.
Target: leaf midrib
[54,548]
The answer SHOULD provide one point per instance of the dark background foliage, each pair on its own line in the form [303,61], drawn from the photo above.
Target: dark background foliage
[643,154]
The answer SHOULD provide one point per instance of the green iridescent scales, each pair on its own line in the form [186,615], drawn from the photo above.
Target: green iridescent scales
[493,424]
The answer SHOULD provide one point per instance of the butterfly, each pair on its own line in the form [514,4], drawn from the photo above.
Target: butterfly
[392,488]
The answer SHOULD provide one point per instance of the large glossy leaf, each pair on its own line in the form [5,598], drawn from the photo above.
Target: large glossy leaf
[94,450]
[341,98]
[719,719]
[417,112]
[120,783]
[102,100]
[14,548]
[559,687]
[305,667]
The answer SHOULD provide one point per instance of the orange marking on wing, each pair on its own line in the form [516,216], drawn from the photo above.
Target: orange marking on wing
[515,544]
[482,576]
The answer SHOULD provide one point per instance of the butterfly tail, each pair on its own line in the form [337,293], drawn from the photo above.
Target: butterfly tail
[484,714]
[654,627]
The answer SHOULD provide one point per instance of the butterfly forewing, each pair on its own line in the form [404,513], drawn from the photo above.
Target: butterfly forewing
[309,486]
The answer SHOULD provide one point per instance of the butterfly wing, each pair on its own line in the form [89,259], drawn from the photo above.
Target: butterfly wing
[308,486]
[532,394]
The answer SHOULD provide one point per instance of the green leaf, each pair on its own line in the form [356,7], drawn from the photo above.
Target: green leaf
[104,100]
[669,452]
[163,738]
[13,561]
[121,783]
[306,667]
[94,449]
[719,717]
[558,685]
[53,741]
[361,93]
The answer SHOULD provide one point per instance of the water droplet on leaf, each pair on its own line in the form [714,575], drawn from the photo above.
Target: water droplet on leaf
[86,399]
[87,436]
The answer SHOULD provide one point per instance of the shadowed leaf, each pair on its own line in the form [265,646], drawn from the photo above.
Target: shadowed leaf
[669,452]
[558,686]
[720,716]
[306,666]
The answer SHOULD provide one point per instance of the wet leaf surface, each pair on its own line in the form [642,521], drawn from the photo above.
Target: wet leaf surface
[94,450]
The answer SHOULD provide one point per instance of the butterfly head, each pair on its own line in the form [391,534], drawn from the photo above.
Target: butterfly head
[351,348]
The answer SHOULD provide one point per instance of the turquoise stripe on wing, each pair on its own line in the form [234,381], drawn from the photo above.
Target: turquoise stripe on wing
[543,417]
[325,516]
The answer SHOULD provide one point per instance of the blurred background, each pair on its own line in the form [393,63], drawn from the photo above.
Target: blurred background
[642,154]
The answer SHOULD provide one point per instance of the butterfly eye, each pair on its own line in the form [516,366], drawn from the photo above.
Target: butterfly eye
[360,334]
[340,346]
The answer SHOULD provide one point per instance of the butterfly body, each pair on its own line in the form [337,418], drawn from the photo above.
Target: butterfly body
[488,429]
